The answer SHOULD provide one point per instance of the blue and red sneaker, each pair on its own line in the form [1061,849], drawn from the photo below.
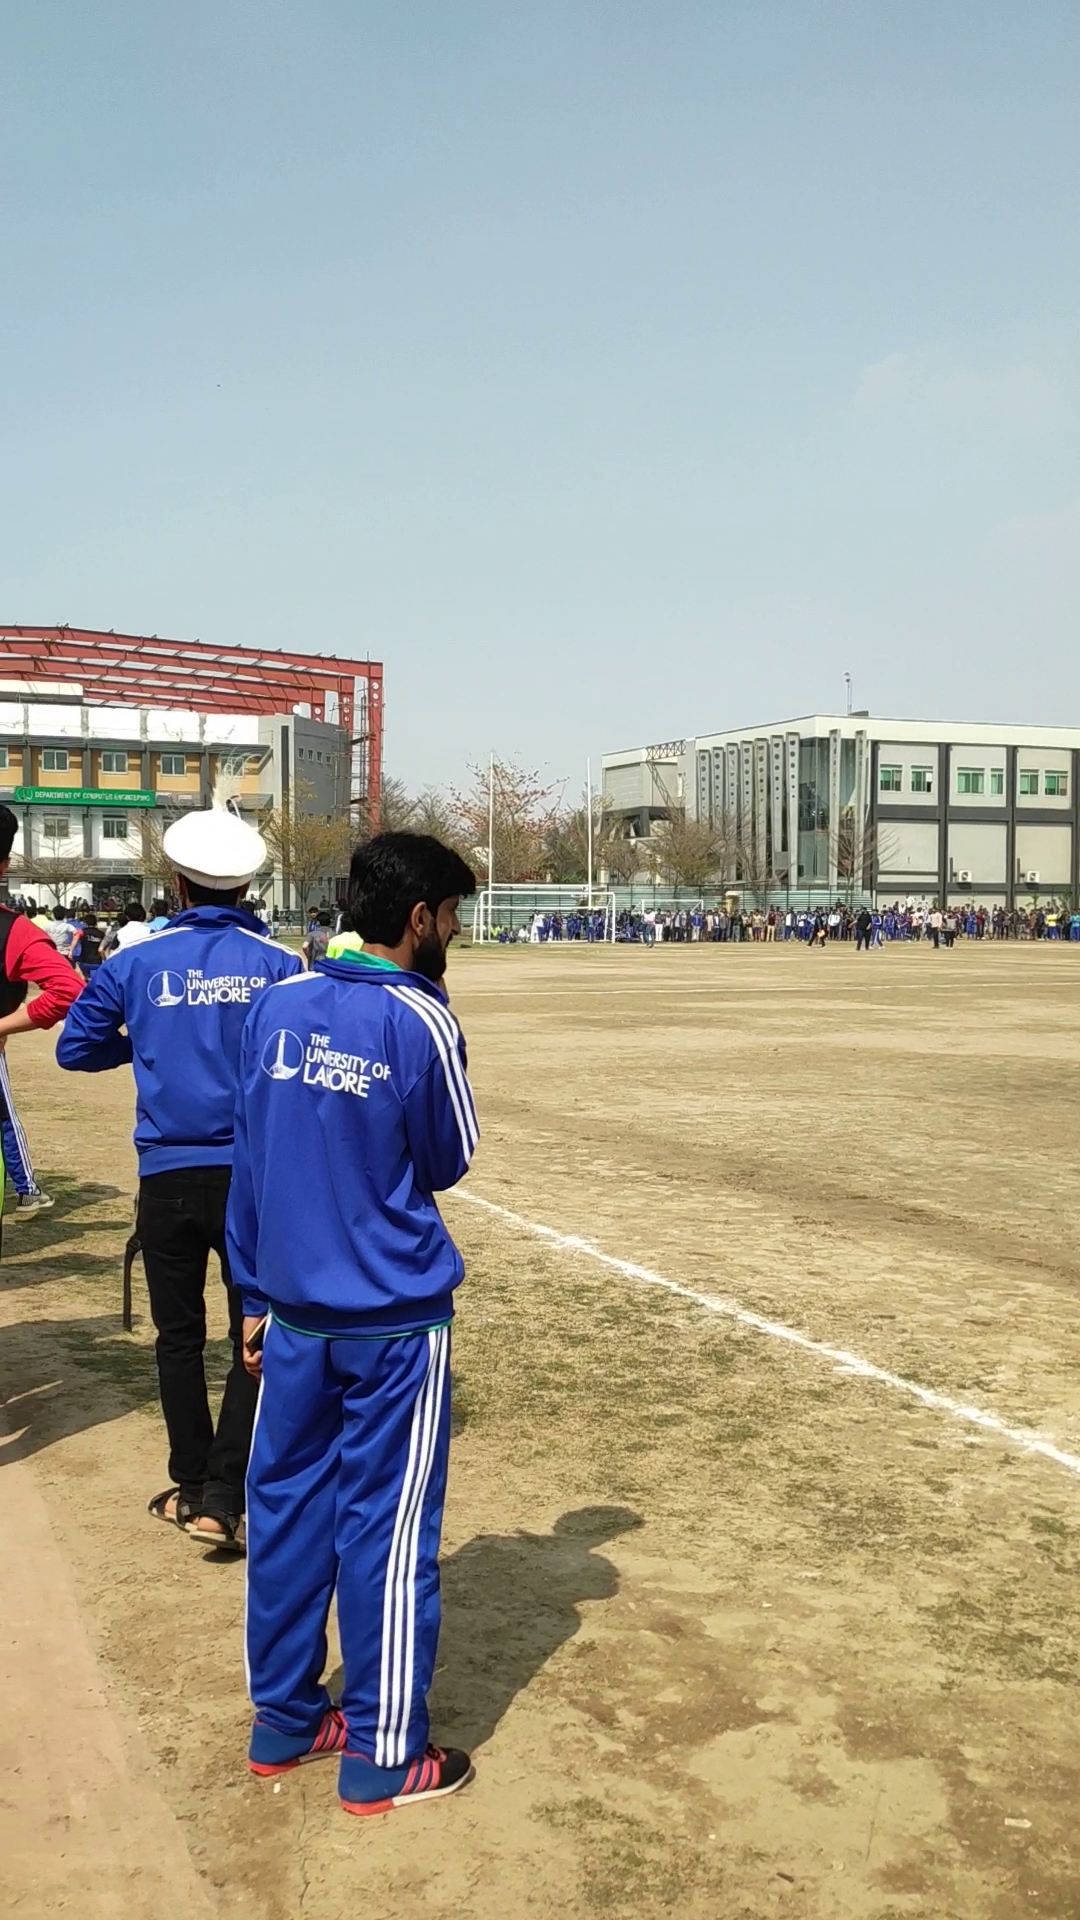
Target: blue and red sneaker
[366,1788]
[272,1752]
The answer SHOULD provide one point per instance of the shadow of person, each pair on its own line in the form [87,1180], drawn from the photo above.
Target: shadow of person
[51,1246]
[58,1378]
[510,1601]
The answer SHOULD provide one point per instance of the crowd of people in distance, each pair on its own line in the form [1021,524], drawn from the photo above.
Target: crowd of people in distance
[86,936]
[902,920]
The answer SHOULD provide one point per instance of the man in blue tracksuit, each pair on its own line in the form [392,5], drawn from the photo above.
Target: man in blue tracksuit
[183,995]
[353,1110]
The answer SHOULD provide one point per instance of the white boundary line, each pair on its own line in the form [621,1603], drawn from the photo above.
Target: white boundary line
[850,1363]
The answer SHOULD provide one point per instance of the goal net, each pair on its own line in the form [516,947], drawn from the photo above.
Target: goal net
[523,913]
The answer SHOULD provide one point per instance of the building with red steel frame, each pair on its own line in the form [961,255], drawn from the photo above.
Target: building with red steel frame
[139,670]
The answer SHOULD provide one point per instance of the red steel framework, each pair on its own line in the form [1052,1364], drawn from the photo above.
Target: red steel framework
[128,669]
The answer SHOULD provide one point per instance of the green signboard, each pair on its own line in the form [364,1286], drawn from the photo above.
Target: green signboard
[84,797]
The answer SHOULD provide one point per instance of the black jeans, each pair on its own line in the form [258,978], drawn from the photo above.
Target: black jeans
[181,1218]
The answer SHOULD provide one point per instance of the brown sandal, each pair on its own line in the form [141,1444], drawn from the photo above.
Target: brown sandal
[186,1511]
[232,1538]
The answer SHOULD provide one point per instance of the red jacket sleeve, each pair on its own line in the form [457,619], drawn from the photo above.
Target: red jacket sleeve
[30,955]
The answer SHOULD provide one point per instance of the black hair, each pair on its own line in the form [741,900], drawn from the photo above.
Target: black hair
[134,910]
[9,827]
[59,913]
[213,896]
[159,906]
[392,873]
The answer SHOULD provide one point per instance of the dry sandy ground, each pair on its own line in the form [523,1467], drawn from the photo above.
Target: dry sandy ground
[733,1631]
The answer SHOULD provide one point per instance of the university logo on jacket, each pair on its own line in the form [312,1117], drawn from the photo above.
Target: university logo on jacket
[354,1109]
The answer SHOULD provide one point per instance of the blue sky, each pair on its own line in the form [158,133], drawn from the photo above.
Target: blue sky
[612,372]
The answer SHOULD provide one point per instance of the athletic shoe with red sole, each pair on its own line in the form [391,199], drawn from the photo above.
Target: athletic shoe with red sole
[272,1753]
[365,1788]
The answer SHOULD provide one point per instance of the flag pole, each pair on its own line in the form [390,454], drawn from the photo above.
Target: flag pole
[491,836]
[588,802]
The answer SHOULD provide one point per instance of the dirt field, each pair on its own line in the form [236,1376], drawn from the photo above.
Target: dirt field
[733,1631]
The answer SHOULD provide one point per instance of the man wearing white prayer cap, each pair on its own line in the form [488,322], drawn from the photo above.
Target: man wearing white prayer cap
[183,996]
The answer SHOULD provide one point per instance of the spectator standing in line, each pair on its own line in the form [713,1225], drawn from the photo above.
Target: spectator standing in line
[173,1006]
[131,928]
[88,958]
[353,1112]
[318,939]
[63,932]
[864,927]
[28,957]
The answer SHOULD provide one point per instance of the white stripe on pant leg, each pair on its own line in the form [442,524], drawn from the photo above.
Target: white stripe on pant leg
[410,1587]
[416,1494]
[21,1140]
[388,1589]
[247,1556]
[391,1565]
[392,1650]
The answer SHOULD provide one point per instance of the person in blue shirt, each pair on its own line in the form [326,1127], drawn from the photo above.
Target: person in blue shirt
[353,1110]
[183,996]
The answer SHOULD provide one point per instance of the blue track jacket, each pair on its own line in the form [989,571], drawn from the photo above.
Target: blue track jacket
[183,996]
[353,1110]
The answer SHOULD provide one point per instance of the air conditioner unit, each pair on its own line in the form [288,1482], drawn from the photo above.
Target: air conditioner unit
[1031,877]
[964,877]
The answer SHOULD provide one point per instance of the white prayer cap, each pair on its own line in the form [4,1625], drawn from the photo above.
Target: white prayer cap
[215,849]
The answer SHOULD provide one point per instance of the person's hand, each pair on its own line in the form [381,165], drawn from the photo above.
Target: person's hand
[252,1361]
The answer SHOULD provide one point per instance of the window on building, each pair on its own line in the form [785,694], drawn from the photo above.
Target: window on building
[112,762]
[970,779]
[1056,786]
[997,780]
[54,759]
[922,779]
[1029,780]
[55,826]
[114,826]
[890,779]
[3,758]
[174,763]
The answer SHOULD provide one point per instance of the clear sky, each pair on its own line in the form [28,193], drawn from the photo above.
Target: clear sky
[611,371]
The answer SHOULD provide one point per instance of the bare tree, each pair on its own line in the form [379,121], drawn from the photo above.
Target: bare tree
[156,864]
[308,847]
[687,853]
[861,847]
[751,868]
[566,844]
[621,857]
[396,809]
[433,812]
[53,869]
[524,810]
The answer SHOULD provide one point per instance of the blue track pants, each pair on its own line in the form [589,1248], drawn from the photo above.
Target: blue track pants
[345,1492]
[15,1144]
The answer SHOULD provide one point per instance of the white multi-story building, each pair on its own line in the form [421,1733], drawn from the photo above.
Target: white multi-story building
[830,804]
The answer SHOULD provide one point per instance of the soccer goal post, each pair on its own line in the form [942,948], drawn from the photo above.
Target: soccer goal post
[523,912]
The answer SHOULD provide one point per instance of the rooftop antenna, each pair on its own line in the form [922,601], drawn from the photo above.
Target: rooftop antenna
[847,683]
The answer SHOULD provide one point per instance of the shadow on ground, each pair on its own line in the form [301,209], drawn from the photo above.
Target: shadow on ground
[42,1249]
[59,1377]
[510,1601]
